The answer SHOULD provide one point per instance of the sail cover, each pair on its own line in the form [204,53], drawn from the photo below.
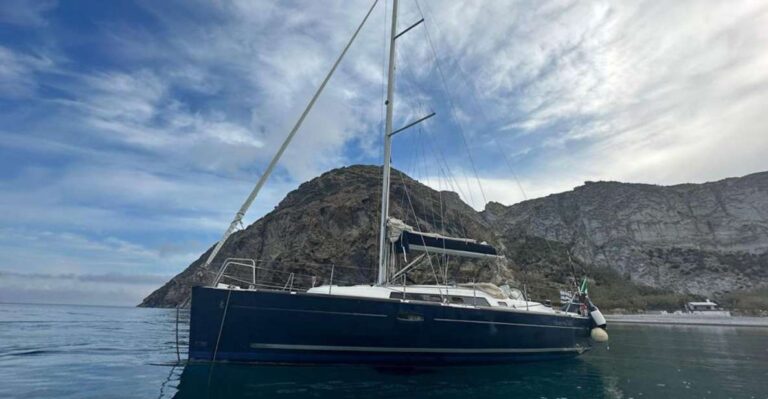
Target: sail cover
[406,240]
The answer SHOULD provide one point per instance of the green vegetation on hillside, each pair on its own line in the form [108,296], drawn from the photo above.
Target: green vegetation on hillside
[752,302]
[613,292]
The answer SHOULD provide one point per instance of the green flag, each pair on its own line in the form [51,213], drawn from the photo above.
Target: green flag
[584,289]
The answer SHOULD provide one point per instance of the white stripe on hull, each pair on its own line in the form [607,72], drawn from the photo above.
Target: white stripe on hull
[309,311]
[577,349]
[383,315]
[508,324]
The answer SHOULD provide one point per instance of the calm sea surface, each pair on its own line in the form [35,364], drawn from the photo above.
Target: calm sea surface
[57,351]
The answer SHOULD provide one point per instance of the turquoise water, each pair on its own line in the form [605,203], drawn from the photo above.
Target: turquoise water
[57,351]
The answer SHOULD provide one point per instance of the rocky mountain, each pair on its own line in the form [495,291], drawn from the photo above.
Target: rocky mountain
[332,220]
[633,239]
[691,238]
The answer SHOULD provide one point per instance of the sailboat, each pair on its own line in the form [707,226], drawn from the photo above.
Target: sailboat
[385,322]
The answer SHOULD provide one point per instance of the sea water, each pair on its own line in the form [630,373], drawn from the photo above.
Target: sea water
[61,351]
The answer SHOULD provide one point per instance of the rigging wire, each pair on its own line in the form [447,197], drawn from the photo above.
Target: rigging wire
[276,158]
[469,84]
[418,226]
[507,161]
[452,108]
[468,198]
[218,340]
[414,168]
[422,154]
[406,204]
[452,105]
[472,93]
[419,166]
[422,144]
[429,199]
[435,150]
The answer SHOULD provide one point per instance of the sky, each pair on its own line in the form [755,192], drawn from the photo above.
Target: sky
[131,131]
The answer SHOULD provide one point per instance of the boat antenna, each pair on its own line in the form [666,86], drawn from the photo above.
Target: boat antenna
[270,168]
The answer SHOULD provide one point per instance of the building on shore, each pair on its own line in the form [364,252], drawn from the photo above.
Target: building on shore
[706,308]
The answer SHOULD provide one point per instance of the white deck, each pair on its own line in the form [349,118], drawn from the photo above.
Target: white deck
[496,300]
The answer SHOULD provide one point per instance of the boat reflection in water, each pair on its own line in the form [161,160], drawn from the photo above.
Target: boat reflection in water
[567,378]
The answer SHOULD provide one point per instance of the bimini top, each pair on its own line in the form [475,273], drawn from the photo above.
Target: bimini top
[406,239]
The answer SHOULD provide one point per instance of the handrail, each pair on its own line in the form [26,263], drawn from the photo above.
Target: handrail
[236,261]
[271,279]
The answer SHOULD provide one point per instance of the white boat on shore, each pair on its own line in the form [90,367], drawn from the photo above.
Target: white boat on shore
[706,309]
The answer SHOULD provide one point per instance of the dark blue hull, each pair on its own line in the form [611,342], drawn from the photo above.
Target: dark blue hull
[283,327]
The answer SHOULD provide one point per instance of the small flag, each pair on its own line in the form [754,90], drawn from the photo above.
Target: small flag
[584,289]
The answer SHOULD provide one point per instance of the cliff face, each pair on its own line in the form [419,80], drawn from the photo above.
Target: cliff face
[690,238]
[697,238]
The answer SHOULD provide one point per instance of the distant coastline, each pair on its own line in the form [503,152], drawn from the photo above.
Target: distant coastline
[689,320]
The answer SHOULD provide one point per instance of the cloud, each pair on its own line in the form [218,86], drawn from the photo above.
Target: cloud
[25,13]
[102,289]
[100,278]
[107,201]
[18,70]
[64,252]
[260,64]
[139,110]
[627,91]
[128,143]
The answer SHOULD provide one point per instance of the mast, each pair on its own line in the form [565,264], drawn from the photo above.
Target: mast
[383,242]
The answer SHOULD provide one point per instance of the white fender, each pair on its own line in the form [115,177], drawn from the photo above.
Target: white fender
[598,317]
[599,335]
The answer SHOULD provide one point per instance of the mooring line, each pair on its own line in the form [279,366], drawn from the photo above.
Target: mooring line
[218,339]
[178,355]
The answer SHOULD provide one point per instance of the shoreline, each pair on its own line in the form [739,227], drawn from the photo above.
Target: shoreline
[672,319]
